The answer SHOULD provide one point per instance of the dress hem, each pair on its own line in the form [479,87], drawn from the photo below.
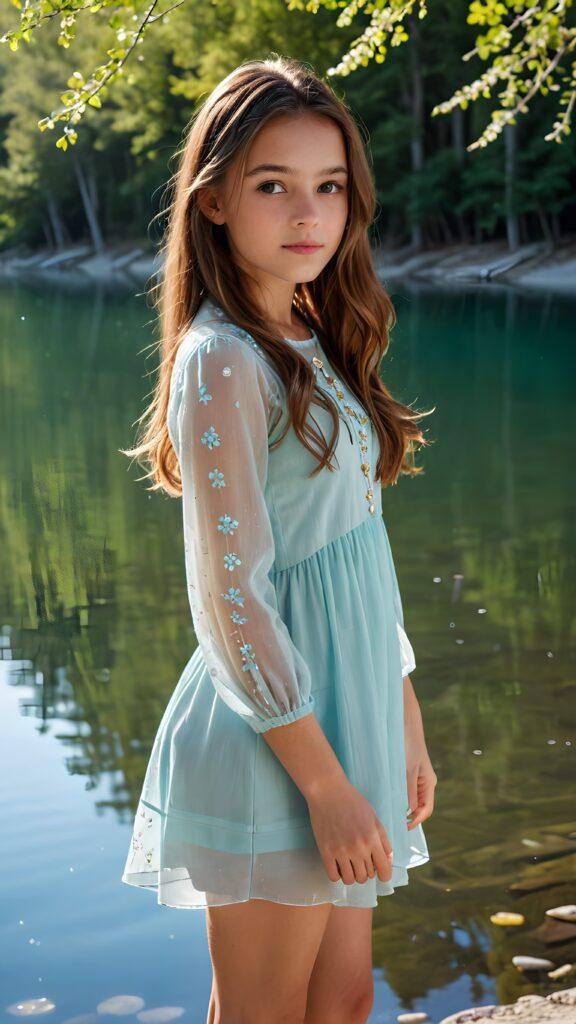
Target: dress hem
[402,881]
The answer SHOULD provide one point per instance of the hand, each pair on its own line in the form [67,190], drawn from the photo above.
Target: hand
[350,837]
[420,776]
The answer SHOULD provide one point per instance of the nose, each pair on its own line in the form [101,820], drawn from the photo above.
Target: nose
[305,211]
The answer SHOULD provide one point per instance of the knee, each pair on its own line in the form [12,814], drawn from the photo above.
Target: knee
[351,1007]
[360,1007]
[262,1009]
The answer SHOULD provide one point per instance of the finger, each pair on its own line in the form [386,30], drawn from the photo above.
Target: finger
[386,844]
[346,871]
[382,863]
[370,868]
[412,786]
[332,870]
[382,854]
[360,873]
[423,812]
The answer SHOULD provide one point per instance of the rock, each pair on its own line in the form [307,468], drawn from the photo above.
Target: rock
[532,884]
[551,931]
[532,963]
[412,1018]
[467,1016]
[506,917]
[557,1008]
[566,996]
[565,913]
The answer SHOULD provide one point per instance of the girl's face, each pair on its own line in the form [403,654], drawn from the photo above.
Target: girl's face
[300,196]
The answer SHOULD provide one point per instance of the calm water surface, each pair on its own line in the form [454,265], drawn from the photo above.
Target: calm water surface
[95,630]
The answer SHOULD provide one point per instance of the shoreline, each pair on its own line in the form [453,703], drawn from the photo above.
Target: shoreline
[531,268]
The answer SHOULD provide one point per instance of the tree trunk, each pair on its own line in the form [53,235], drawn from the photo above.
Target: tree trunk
[55,221]
[88,194]
[512,231]
[546,229]
[417,111]
[457,126]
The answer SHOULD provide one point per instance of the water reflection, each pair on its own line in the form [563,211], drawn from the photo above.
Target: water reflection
[96,627]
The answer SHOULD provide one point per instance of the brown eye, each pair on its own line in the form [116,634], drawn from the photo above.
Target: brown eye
[338,187]
[263,185]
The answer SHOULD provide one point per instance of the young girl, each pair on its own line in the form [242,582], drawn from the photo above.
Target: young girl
[292,749]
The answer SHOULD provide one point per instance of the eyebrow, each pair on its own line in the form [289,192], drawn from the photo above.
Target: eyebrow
[282,169]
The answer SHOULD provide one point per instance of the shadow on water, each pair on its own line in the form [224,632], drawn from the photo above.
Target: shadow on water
[96,629]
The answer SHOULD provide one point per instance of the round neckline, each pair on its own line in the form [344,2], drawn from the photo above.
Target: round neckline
[302,342]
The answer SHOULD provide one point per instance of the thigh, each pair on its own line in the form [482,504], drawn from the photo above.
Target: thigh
[262,955]
[341,987]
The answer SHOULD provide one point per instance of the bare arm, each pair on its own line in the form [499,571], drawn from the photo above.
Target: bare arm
[351,839]
[412,713]
[420,775]
[306,755]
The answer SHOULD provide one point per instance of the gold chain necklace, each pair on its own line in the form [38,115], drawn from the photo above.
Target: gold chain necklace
[359,418]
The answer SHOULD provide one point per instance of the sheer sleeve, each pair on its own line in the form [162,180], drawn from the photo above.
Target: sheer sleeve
[221,420]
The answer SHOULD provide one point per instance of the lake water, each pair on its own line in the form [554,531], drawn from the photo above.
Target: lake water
[95,630]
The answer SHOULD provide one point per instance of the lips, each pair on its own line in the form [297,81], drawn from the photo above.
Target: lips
[303,247]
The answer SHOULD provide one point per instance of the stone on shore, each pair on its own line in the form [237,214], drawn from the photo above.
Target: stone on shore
[556,1008]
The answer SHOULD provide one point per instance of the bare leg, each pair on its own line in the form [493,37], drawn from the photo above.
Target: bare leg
[341,987]
[262,955]
[211,1018]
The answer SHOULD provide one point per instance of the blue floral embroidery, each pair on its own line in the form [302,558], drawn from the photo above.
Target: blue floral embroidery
[228,525]
[251,663]
[217,478]
[211,438]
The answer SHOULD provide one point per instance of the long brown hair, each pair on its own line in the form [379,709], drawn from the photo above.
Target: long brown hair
[346,304]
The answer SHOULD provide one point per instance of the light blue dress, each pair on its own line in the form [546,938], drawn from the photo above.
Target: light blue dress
[297,611]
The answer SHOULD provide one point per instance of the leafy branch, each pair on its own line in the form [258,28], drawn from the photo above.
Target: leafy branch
[543,34]
[80,92]
[523,66]
[527,46]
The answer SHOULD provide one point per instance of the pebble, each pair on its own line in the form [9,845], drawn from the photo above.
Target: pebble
[532,963]
[412,1018]
[506,917]
[565,913]
[561,972]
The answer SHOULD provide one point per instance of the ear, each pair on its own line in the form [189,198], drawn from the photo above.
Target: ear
[210,204]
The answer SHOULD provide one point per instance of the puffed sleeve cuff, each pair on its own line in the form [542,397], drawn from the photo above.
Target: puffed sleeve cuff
[263,724]
[406,652]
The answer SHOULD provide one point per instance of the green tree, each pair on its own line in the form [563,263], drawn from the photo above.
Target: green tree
[527,47]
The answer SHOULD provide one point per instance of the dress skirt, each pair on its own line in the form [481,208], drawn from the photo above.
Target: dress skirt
[220,820]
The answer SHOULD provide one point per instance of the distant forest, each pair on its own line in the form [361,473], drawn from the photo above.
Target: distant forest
[110,186]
